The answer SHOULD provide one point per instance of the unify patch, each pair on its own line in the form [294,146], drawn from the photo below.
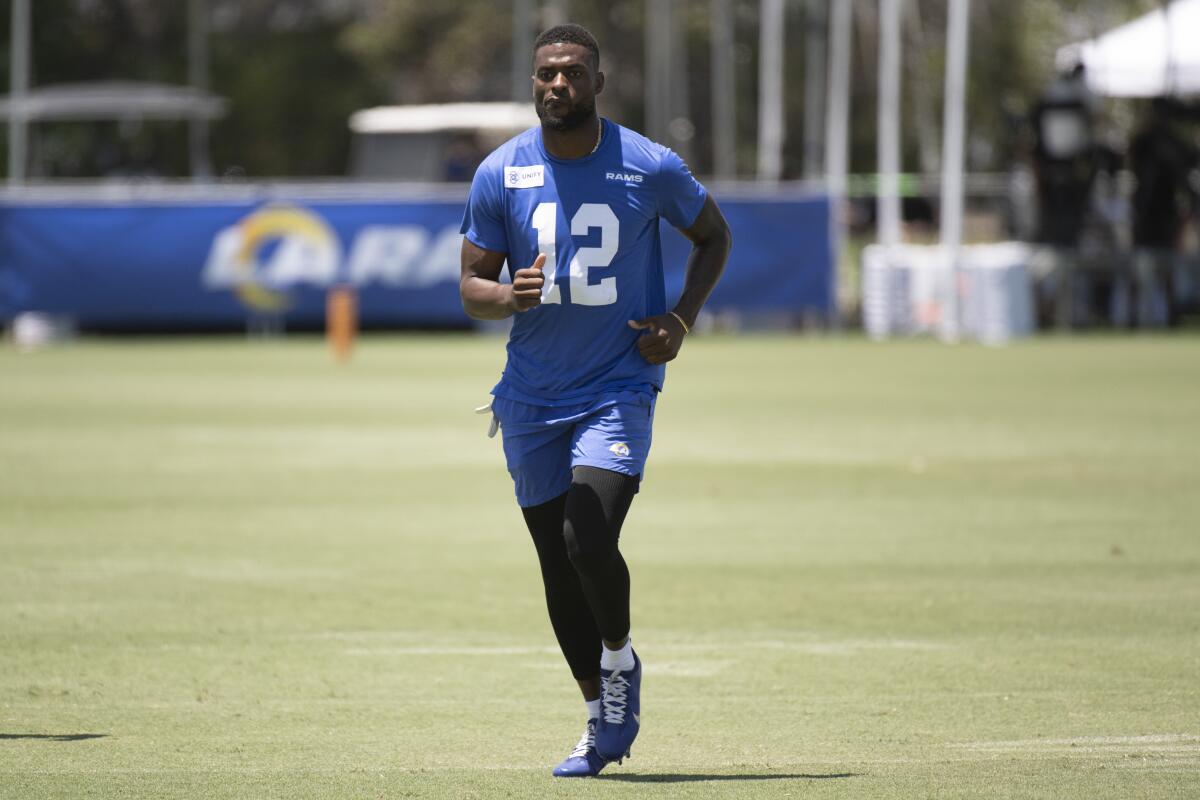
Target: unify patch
[525,177]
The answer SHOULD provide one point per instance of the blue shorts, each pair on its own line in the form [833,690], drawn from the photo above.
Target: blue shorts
[543,444]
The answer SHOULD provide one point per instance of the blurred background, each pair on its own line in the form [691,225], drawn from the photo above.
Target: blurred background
[969,169]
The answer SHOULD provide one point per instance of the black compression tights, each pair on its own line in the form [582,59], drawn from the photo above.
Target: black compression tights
[586,580]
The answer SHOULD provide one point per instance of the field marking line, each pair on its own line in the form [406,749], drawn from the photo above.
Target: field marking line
[828,648]
[814,646]
[1156,743]
[462,650]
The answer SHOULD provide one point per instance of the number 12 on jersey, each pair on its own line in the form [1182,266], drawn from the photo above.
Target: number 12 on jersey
[589,215]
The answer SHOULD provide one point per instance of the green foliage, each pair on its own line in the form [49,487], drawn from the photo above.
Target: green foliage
[295,69]
[435,52]
[291,95]
[291,85]
[74,41]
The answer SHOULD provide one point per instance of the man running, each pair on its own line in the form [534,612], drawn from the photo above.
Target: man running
[573,206]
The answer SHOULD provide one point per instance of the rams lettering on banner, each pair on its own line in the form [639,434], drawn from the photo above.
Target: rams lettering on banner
[180,265]
[307,251]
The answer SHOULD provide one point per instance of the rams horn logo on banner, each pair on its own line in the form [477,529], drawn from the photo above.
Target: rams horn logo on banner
[268,224]
[262,256]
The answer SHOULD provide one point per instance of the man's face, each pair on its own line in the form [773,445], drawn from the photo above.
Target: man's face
[565,85]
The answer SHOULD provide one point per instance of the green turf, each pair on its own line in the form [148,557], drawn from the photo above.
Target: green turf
[234,569]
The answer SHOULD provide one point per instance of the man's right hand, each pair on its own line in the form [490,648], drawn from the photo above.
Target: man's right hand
[527,286]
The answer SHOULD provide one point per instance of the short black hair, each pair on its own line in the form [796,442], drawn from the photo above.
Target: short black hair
[569,33]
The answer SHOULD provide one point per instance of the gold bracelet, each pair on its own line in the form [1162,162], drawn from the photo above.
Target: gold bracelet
[686,329]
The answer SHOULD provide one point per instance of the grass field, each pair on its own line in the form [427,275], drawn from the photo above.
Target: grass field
[233,569]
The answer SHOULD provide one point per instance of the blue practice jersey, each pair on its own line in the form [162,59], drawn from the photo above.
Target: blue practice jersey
[596,220]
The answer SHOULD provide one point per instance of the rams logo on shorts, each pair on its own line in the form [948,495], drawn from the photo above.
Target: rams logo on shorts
[620,449]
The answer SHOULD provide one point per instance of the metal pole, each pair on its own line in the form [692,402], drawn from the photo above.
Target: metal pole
[837,123]
[662,77]
[1170,80]
[18,89]
[658,69]
[924,117]
[556,12]
[770,90]
[724,92]
[952,156]
[815,22]
[888,137]
[201,161]
[679,122]
[522,50]
[650,78]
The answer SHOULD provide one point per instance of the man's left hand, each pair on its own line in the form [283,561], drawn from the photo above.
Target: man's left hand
[662,338]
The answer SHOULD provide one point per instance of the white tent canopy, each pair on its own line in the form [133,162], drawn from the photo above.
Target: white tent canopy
[1155,55]
[114,100]
[509,118]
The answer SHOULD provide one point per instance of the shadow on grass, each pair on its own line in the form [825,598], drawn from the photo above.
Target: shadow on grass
[54,737]
[684,778]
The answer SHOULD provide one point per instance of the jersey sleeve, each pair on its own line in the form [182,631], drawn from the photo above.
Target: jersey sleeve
[483,221]
[680,196]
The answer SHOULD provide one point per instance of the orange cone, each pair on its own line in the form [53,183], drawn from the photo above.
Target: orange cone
[341,321]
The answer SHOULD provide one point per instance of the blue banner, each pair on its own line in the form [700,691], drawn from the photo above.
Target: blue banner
[180,265]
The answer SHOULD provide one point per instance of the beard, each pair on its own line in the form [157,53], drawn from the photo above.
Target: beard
[569,121]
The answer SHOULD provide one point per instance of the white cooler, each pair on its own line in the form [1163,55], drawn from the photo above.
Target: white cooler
[906,289]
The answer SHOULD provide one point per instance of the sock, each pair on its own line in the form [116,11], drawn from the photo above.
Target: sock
[593,707]
[618,659]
